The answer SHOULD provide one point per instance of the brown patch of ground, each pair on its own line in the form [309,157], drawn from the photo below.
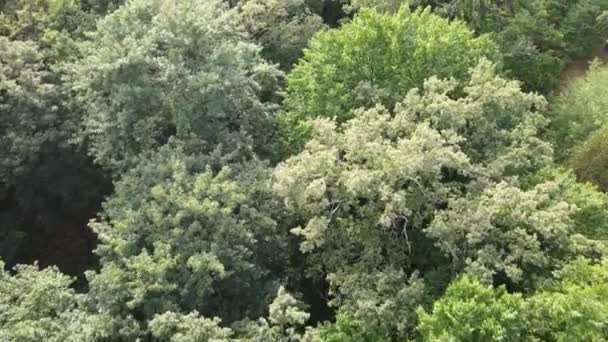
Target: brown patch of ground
[578,68]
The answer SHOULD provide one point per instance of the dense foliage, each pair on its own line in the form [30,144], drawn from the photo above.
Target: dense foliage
[46,183]
[282,27]
[580,126]
[303,171]
[574,308]
[194,239]
[591,160]
[155,69]
[376,59]
[537,37]
[579,111]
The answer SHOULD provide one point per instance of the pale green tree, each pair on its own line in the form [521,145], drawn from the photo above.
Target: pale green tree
[372,194]
[378,180]
[174,327]
[384,6]
[507,232]
[40,305]
[156,69]
[591,215]
[378,305]
[285,323]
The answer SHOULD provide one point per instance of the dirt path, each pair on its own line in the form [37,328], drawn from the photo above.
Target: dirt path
[577,69]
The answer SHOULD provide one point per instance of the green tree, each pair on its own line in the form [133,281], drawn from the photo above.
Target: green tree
[583,27]
[54,25]
[101,6]
[376,59]
[482,15]
[372,195]
[31,108]
[472,311]
[531,46]
[507,232]
[156,69]
[40,305]
[591,215]
[49,188]
[178,235]
[575,308]
[526,33]
[284,324]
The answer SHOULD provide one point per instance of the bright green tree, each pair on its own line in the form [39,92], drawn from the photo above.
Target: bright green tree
[348,328]
[575,308]
[376,59]
[472,311]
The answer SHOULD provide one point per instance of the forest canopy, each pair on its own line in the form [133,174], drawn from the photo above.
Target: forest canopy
[303,170]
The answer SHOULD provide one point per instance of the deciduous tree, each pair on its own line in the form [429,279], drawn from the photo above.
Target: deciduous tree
[376,59]
[179,236]
[157,69]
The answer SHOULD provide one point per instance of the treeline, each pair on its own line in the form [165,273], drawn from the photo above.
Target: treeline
[302,170]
